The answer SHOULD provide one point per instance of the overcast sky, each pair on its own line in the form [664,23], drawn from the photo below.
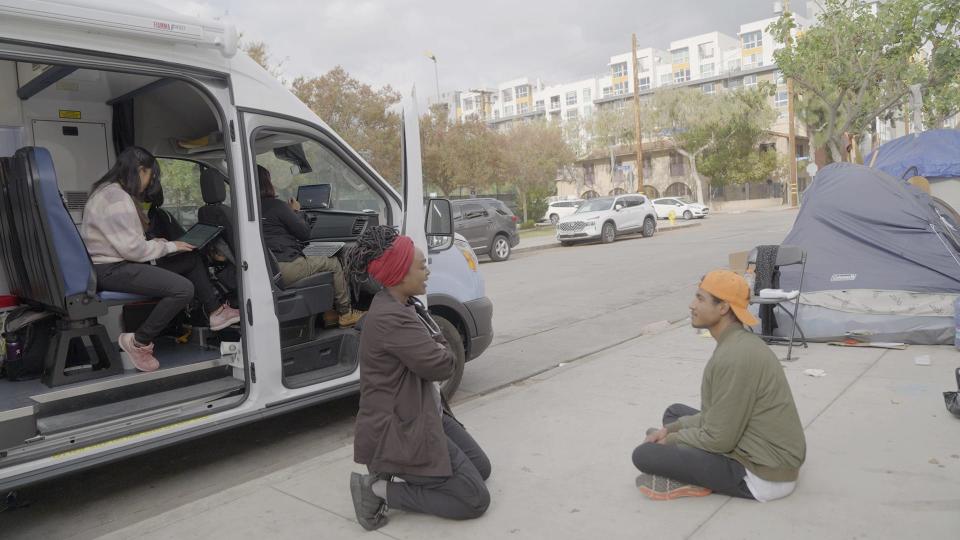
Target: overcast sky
[477,43]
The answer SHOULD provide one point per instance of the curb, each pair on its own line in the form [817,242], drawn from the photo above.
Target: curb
[556,244]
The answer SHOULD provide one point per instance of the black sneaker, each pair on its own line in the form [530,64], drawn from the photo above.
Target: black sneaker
[370,509]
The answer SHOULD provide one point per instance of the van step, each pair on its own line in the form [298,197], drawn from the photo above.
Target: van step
[104,413]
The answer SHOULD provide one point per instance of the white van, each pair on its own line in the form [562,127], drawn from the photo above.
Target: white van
[79,82]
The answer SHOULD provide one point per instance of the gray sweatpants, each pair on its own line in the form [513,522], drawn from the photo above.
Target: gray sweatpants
[301,267]
[690,465]
[460,496]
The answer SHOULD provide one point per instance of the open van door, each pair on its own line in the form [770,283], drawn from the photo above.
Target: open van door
[412,169]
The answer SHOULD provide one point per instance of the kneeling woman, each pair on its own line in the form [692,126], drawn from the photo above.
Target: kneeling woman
[404,429]
[113,230]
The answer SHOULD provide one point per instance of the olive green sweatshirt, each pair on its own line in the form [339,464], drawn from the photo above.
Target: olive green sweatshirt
[748,412]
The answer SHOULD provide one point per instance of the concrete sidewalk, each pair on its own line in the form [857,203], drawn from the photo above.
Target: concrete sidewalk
[537,243]
[883,458]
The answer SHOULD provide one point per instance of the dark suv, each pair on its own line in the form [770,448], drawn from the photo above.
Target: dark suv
[488,225]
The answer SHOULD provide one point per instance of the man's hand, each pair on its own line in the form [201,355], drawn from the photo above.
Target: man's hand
[294,205]
[659,437]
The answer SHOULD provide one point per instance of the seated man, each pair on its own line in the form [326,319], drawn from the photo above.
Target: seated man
[747,441]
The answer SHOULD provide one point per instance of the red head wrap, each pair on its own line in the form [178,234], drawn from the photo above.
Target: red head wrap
[390,268]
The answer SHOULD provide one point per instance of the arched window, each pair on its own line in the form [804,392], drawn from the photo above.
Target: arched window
[589,195]
[678,189]
[617,191]
[651,192]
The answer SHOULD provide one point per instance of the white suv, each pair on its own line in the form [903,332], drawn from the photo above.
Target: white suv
[608,217]
[560,209]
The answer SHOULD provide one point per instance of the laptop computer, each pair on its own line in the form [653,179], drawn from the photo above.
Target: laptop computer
[314,196]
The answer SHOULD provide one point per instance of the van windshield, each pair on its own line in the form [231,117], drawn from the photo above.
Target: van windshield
[596,205]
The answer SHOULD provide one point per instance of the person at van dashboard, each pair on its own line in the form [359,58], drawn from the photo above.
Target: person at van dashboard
[113,230]
[284,231]
[405,428]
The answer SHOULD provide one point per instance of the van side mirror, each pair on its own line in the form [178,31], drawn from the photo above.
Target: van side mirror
[618,207]
[439,225]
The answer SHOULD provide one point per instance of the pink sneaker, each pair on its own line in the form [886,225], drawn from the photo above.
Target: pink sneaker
[224,317]
[141,357]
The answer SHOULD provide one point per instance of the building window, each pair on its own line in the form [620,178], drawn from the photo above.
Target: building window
[647,167]
[706,50]
[643,64]
[508,95]
[644,83]
[523,108]
[681,56]
[587,95]
[750,81]
[733,65]
[666,79]
[496,114]
[508,110]
[678,165]
[523,91]
[781,99]
[554,102]
[682,75]
[752,40]
[619,70]
[588,176]
[607,91]
[572,98]
[734,83]
[708,88]
[706,70]
[620,88]
[778,76]
[468,104]
[539,105]
[587,111]
[571,114]
[755,59]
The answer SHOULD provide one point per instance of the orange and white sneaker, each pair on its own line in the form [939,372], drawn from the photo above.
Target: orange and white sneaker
[661,488]
[141,356]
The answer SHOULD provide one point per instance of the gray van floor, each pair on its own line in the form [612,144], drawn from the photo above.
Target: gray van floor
[15,394]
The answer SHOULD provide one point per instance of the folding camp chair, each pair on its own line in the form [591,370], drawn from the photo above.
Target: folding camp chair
[786,256]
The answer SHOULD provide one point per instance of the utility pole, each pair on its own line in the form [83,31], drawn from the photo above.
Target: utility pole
[636,117]
[436,73]
[792,130]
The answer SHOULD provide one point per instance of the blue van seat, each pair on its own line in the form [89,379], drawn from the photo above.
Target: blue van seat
[58,274]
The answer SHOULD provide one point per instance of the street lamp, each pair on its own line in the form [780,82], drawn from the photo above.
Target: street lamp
[436,73]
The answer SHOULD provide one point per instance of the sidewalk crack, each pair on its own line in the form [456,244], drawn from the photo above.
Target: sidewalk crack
[327,510]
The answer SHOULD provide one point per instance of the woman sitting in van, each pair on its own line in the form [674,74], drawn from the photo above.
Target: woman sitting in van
[404,427]
[113,229]
[284,232]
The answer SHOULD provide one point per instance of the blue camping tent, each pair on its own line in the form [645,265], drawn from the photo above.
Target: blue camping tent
[931,154]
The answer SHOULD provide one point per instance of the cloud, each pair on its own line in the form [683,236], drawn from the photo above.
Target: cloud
[476,43]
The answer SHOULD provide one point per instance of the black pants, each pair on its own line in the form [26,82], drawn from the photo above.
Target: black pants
[174,280]
[715,472]
[461,496]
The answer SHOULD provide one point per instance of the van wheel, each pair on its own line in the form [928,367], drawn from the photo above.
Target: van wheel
[649,227]
[608,233]
[554,219]
[688,215]
[500,250]
[453,337]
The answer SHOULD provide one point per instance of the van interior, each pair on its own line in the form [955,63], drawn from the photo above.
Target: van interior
[61,128]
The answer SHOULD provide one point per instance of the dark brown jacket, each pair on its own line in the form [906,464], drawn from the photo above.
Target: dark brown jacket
[399,429]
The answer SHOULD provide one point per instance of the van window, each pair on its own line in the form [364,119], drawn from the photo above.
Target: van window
[297,161]
[472,211]
[631,201]
[181,189]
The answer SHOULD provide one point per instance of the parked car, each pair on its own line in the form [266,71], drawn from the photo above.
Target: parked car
[606,218]
[489,226]
[560,209]
[681,208]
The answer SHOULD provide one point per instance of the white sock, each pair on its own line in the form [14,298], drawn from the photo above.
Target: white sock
[380,489]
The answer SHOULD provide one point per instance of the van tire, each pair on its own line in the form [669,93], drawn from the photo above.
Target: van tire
[455,340]
[649,227]
[500,248]
[608,233]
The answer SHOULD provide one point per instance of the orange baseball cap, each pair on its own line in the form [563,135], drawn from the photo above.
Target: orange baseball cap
[732,289]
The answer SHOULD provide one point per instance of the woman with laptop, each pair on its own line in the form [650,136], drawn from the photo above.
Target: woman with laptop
[284,232]
[113,229]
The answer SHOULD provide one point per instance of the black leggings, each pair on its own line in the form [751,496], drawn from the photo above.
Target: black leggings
[174,280]
[460,496]
[715,472]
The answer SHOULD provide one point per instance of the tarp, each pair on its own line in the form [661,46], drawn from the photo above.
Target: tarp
[864,229]
[932,154]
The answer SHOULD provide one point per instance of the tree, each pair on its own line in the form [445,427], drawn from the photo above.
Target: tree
[259,51]
[855,65]
[533,153]
[458,155]
[723,130]
[360,114]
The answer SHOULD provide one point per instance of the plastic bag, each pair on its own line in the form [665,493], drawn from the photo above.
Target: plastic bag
[952,399]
